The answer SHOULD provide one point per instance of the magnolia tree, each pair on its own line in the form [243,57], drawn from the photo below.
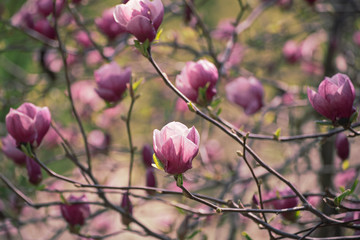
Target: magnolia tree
[179,119]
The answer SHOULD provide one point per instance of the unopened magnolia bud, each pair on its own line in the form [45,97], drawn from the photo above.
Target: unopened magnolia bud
[150,180]
[34,171]
[342,146]
[127,206]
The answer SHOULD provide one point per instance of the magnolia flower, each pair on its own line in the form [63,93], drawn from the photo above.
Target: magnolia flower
[196,75]
[10,149]
[141,18]
[334,99]
[111,81]
[28,123]
[107,25]
[75,213]
[291,51]
[246,92]
[176,146]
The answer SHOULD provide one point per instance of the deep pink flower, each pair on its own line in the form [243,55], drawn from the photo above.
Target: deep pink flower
[83,39]
[150,180]
[141,18]
[75,213]
[291,51]
[44,27]
[334,99]
[224,30]
[45,7]
[10,149]
[246,92]
[28,123]
[282,203]
[181,106]
[176,146]
[147,155]
[128,207]
[34,171]
[196,75]
[107,25]
[111,81]
[342,146]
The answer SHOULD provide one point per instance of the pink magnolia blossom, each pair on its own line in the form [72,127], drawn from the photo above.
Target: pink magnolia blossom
[176,146]
[111,81]
[246,92]
[334,99]
[99,141]
[291,51]
[45,7]
[107,25]
[342,146]
[83,39]
[28,123]
[10,149]
[44,27]
[75,213]
[141,18]
[196,75]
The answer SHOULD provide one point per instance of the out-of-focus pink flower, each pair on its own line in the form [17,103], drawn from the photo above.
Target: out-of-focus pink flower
[176,146]
[150,180]
[224,30]
[141,18]
[312,68]
[189,17]
[196,75]
[34,171]
[83,39]
[111,81]
[236,56]
[107,25]
[128,207]
[53,61]
[246,92]
[10,149]
[181,106]
[282,203]
[342,146]
[75,213]
[334,99]
[44,27]
[214,150]
[291,51]
[93,57]
[287,98]
[109,117]
[85,97]
[28,123]
[99,142]
[147,155]
[345,178]
[356,38]
[45,7]
[71,59]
